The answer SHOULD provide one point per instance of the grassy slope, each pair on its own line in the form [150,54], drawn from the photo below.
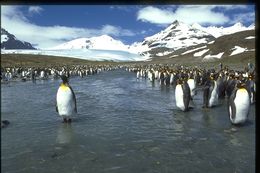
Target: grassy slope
[44,61]
[237,61]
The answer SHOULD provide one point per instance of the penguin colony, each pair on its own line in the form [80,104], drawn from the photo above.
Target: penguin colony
[237,86]
[66,105]
[44,73]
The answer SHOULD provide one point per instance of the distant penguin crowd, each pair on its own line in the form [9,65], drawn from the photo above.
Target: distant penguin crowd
[238,86]
[43,73]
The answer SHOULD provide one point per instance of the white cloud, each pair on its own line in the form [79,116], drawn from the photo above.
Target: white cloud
[243,17]
[35,9]
[119,7]
[203,14]
[116,31]
[200,14]
[229,7]
[223,7]
[15,22]
[12,12]
[155,15]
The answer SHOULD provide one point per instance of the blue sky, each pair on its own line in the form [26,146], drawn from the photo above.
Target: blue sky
[49,25]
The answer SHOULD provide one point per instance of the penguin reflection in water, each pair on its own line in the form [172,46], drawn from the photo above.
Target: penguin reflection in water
[182,95]
[66,100]
[239,103]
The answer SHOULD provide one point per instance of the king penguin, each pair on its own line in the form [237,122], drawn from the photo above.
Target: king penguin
[210,94]
[238,104]
[251,88]
[182,95]
[66,100]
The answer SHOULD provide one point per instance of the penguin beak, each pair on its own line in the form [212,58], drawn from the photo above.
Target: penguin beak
[243,84]
[64,79]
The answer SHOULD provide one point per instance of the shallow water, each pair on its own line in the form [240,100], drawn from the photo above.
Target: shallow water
[123,125]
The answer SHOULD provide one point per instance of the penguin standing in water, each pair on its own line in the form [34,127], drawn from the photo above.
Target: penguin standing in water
[66,100]
[138,75]
[161,77]
[251,88]
[210,94]
[221,82]
[182,95]
[238,104]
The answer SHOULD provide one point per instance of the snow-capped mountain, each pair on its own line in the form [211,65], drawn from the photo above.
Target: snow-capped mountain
[220,31]
[238,43]
[178,39]
[177,35]
[9,41]
[103,42]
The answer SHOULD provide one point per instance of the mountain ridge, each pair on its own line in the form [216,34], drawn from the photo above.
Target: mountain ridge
[175,36]
[9,41]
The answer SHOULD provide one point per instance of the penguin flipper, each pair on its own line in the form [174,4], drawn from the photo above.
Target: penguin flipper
[232,105]
[57,109]
[186,95]
[200,88]
[206,97]
[74,98]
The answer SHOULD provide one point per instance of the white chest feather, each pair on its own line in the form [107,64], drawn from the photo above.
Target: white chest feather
[138,75]
[171,79]
[242,103]
[191,83]
[42,74]
[214,96]
[156,75]
[179,97]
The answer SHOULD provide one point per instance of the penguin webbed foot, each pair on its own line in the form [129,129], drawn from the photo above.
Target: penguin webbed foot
[186,109]
[65,120]
[205,106]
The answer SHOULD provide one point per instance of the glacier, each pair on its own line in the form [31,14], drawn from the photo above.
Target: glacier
[87,54]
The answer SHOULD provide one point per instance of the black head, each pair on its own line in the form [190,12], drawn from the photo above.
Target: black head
[64,79]
[179,81]
[241,84]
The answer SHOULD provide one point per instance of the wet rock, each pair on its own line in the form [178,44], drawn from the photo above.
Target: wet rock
[54,155]
[232,130]
[4,123]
